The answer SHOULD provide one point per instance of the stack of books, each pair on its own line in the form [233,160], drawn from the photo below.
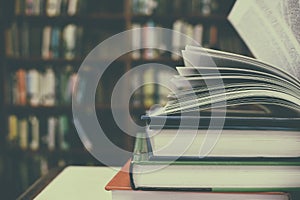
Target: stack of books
[230,130]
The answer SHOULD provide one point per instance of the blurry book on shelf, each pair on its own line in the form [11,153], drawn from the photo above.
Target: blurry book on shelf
[47,42]
[48,87]
[150,93]
[55,42]
[71,37]
[64,7]
[35,132]
[41,87]
[144,7]
[160,7]
[28,133]
[136,40]
[149,37]
[191,31]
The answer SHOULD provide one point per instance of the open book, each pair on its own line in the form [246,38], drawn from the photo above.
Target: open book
[214,79]
[269,86]
[248,100]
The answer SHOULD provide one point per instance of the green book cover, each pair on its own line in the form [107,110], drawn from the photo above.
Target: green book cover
[142,160]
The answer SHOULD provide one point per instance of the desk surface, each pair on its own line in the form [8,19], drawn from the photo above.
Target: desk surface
[79,183]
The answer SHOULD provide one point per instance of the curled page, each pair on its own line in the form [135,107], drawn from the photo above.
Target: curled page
[263,26]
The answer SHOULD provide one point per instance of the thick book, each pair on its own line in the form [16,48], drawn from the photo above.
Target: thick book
[121,189]
[210,175]
[183,137]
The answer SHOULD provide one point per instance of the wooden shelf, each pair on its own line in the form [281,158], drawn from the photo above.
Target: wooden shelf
[38,60]
[30,62]
[57,109]
[171,18]
[162,60]
[27,109]
[74,18]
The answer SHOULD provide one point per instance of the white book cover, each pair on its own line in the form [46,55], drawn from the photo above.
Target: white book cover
[49,87]
[23,134]
[136,41]
[33,87]
[198,33]
[52,123]
[35,133]
[69,39]
[46,42]
[53,7]
[72,7]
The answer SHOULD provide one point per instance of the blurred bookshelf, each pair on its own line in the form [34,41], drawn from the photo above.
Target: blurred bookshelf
[43,44]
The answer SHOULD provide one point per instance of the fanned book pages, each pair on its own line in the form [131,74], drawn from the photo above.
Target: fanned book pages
[270,29]
[214,79]
[246,101]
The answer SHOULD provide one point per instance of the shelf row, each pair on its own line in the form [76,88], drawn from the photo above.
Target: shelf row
[122,17]
[64,109]
[118,9]
[25,61]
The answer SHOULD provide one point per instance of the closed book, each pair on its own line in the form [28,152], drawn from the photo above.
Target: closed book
[63,91]
[149,37]
[19,7]
[23,134]
[63,129]
[49,97]
[211,175]
[29,7]
[136,41]
[9,47]
[183,137]
[121,189]
[22,88]
[33,87]
[35,133]
[55,43]
[73,7]
[46,42]
[69,41]
[15,32]
[53,7]
[51,137]
[12,128]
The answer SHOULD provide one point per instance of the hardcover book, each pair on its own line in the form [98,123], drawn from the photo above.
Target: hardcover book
[211,175]
[121,190]
[180,136]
